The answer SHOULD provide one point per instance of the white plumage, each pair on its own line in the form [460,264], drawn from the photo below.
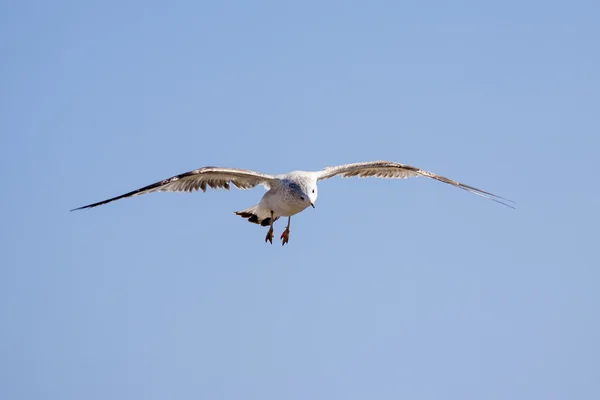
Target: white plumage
[288,194]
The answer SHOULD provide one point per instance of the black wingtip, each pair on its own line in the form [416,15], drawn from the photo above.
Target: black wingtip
[94,204]
[506,204]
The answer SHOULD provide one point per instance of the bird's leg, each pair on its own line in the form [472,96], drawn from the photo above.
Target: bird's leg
[285,236]
[269,236]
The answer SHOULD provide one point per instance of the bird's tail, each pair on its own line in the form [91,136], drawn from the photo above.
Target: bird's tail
[256,215]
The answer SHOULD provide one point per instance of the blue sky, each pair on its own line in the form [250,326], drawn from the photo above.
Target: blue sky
[388,289]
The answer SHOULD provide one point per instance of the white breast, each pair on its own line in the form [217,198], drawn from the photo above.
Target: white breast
[282,203]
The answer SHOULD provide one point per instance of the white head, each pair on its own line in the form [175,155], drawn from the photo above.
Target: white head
[304,189]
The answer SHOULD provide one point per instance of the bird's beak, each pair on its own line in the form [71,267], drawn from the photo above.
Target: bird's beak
[313,205]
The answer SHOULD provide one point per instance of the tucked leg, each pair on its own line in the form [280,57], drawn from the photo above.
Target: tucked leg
[269,236]
[285,236]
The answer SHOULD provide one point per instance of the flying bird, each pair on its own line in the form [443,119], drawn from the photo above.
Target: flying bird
[287,194]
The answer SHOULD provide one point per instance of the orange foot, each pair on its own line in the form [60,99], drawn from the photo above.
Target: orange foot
[269,236]
[285,237]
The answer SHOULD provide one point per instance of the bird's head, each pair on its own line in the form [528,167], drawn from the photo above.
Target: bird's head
[305,191]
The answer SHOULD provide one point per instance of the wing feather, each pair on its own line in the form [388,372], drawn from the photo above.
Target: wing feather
[200,179]
[393,170]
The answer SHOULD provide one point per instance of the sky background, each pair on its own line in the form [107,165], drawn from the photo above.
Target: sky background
[388,289]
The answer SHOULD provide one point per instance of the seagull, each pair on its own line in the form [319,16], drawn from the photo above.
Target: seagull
[287,194]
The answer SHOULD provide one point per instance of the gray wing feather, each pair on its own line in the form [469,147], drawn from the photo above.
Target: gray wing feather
[393,170]
[200,179]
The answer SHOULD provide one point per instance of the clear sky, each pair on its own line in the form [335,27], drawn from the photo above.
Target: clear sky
[388,289]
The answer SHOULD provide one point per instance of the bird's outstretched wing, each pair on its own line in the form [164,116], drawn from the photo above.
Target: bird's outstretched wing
[213,177]
[393,170]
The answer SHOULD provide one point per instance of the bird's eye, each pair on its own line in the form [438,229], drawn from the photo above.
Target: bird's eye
[313,190]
